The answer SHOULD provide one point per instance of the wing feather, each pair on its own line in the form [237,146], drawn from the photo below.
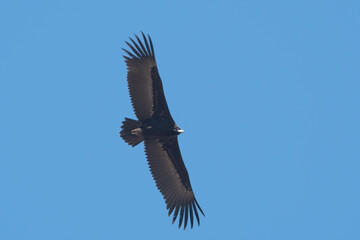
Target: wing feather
[181,216]
[186,215]
[144,82]
[172,178]
[196,213]
[142,47]
[152,47]
[137,47]
[175,214]
[191,215]
[133,49]
[147,45]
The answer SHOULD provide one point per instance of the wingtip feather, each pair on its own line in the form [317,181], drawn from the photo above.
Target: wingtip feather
[175,214]
[197,204]
[186,215]
[181,216]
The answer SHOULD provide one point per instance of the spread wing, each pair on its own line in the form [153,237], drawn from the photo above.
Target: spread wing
[172,179]
[144,82]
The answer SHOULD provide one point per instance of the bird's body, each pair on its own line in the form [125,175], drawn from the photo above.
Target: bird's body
[156,127]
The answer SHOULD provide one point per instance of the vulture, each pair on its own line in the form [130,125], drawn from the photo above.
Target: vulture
[159,132]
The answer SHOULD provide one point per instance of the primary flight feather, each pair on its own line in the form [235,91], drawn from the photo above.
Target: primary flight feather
[158,130]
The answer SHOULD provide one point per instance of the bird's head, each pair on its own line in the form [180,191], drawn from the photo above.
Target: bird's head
[178,130]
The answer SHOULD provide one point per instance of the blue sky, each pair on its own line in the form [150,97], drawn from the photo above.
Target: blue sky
[267,92]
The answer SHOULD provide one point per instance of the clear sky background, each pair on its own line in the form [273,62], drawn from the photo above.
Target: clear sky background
[267,92]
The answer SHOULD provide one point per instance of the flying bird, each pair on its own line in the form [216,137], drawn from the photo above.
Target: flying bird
[158,130]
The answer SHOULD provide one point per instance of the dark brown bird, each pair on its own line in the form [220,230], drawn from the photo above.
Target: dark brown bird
[158,130]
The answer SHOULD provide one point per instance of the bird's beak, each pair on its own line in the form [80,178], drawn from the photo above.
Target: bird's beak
[180,131]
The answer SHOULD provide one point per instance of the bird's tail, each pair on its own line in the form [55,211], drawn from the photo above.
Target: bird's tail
[131,132]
